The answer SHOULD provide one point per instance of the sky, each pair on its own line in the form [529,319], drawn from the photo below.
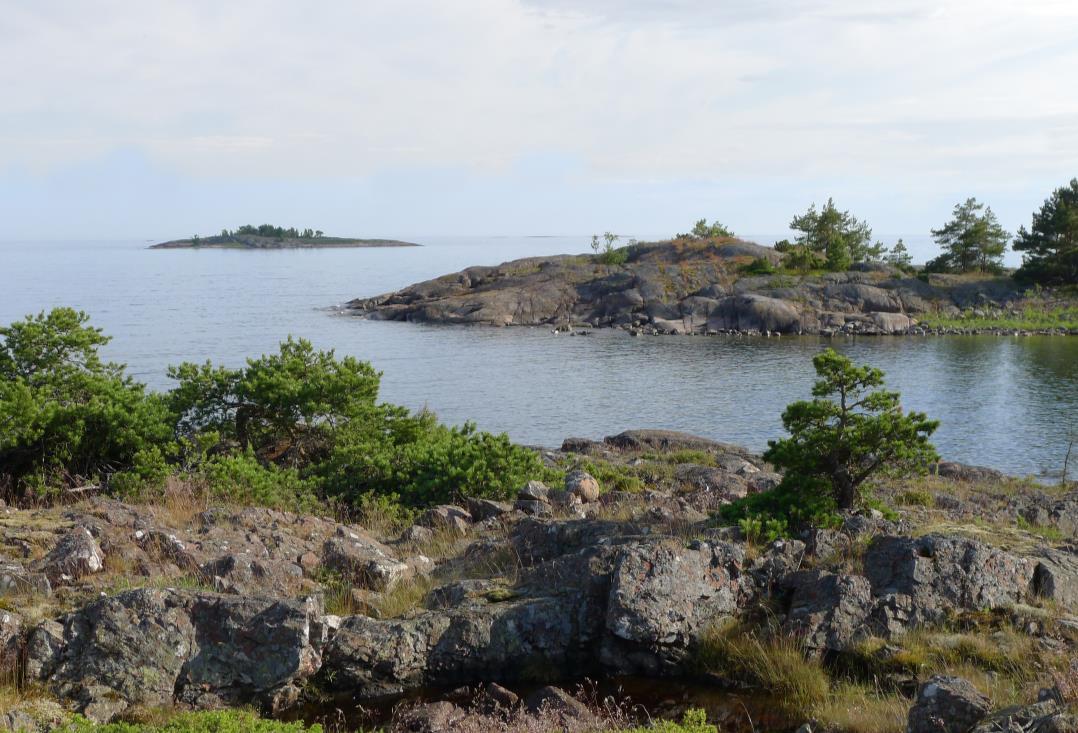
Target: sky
[126,118]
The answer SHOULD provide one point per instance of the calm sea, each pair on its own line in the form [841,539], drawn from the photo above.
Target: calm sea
[1008,403]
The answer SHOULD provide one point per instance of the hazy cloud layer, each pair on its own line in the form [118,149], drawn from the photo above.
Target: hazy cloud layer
[903,106]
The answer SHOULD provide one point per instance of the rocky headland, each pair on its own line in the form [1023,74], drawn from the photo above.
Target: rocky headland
[962,601]
[701,287]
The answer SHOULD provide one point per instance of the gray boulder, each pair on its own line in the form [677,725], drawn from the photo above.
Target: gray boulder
[1056,576]
[582,485]
[828,611]
[947,705]
[447,517]
[1046,716]
[75,555]
[941,574]
[363,560]
[17,580]
[164,647]
[661,596]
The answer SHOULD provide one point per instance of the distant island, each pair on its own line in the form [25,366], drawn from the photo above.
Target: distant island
[267,236]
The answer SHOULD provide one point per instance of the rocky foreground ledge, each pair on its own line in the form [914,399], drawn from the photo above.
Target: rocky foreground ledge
[688,287]
[114,607]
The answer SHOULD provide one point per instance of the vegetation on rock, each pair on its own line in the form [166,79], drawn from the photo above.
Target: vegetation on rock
[1050,245]
[830,238]
[971,241]
[289,429]
[837,441]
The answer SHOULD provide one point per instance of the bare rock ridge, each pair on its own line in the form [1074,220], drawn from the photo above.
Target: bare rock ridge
[683,287]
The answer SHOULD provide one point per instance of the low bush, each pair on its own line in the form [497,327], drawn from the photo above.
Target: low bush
[295,429]
[694,721]
[215,721]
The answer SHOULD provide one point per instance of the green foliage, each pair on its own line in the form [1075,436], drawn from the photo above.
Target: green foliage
[244,479]
[915,497]
[972,240]
[836,444]
[833,236]
[1050,245]
[423,462]
[292,429]
[760,530]
[1029,318]
[287,404]
[211,721]
[759,266]
[703,230]
[606,252]
[899,256]
[693,721]
[66,416]
[269,230]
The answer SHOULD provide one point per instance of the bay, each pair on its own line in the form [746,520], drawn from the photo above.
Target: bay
[1004,402]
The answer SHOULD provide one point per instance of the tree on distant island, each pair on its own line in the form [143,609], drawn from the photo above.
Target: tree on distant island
[276,232]
[702,230]
[1050,245]
[831,239]
[972,240]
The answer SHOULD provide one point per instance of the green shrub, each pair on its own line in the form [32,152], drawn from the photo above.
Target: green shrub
[836,444]
[424,462]
[67,417]
[762,530]
[244,479]
[290,429]
[915,497]
[694,721]
[759,266]
[215,721]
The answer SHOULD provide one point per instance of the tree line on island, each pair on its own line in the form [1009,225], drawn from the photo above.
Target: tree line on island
[972,241]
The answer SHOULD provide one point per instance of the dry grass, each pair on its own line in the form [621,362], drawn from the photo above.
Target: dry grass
[180,501]
[854,708]
[772,662]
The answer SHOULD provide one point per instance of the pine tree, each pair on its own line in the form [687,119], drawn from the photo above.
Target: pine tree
[839,237]
[972,240]
[1051,243]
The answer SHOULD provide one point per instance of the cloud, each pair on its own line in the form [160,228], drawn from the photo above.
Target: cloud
[950,95]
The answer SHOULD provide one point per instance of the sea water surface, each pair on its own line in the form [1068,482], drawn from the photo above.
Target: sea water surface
[1004,402]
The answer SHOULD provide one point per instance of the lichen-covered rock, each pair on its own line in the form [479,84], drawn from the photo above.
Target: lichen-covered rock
[514,639]
[941,574]
[662,594]
[76,555]
[363,560]
[447,517]
[534,491]
[17,580]
[1046,716]
[1056,576]
[163,647]
[10,643]
[582,485]
[947,705]
[828,611]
